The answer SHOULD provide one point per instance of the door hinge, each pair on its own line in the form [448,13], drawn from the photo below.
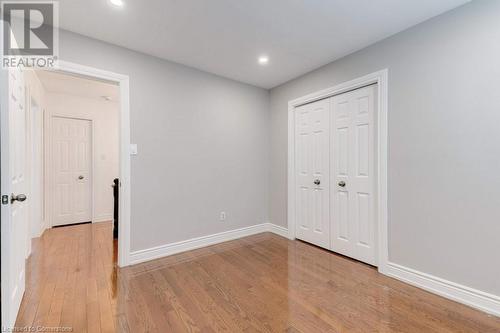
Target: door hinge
[5,199]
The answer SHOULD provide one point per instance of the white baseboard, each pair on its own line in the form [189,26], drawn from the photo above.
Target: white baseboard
[278,230]
[475,298]
[196,243]
[40,231]
[102,218]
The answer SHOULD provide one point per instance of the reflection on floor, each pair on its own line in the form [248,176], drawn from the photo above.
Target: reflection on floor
[262,283]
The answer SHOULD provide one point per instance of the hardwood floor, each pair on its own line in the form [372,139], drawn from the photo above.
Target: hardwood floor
[262,283]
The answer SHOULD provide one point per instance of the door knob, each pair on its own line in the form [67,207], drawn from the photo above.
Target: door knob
[80,177]
[19,197]
[317,182]
[341,183]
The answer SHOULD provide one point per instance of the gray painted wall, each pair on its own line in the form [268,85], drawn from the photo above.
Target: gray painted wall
[444,142]
[202,141]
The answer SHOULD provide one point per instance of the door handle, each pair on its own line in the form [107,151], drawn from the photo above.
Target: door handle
[341,183]
[317,182]
[19,197]
[80,177]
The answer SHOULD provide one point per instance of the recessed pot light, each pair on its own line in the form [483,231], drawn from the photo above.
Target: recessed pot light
[117,3]
[263,60]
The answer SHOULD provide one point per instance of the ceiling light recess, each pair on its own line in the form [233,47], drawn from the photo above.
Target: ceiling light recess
[263,60]
[117,3]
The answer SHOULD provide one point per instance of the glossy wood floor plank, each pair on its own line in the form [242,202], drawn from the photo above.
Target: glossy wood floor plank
[262,283]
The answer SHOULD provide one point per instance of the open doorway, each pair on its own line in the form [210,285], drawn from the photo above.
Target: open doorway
[71,122]
[82,150]
[72,158]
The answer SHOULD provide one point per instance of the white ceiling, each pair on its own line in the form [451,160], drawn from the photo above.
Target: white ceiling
[62,83]
[225,37]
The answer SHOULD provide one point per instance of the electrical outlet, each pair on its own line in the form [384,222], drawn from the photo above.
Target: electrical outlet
[222,216]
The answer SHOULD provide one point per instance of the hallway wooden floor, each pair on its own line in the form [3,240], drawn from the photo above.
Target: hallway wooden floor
[262,283]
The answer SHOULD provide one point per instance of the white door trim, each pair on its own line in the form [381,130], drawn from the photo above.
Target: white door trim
[124,204]
[32,167]
[381,79]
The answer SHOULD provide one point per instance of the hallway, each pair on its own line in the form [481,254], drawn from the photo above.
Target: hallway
[71,280]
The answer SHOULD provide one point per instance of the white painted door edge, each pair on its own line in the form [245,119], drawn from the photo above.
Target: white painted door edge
[125,190]
[381,79]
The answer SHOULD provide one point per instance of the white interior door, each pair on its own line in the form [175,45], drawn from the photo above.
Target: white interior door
[353,180]
[72,163]
[14,187]
[312,172]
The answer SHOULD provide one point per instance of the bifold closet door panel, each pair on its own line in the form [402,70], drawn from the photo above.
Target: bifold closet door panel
[353,174]
[312,155]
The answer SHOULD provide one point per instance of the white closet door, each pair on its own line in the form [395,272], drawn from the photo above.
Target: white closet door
[312,172]
[72,161]
[353,174]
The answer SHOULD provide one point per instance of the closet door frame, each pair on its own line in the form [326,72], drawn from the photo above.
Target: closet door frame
[381,79]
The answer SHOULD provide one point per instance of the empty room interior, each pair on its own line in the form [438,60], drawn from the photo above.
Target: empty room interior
[250,166]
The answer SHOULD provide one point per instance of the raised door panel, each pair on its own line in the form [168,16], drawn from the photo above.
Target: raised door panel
[312,168]
[363,180]
[72,158]
[320,114]
[62,162]
[353,154]
[342,233]
[303,170]
[83,151]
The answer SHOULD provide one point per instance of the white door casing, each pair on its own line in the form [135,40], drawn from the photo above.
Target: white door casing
[312,172]
[9,248]
[125,182]
[72,165]
[339,215]
[353,174]
[380,126]
[14,181]
[37,171]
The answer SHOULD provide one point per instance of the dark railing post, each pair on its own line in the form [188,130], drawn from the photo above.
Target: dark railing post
[116,188]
